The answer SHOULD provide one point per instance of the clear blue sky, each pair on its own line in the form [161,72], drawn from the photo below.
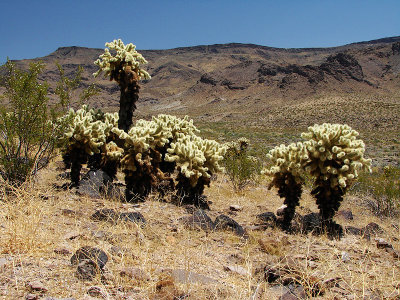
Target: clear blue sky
[35,28]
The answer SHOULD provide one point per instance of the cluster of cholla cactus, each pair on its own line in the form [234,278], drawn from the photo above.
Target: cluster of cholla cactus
[122,63]
[165,149]
[332,155]
[86,135]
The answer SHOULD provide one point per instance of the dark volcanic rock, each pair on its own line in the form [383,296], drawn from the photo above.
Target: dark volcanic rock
[199,220]
[105,214]
[343,66]
[93,183]
[267,218]
[95,255]
[135,217]
[223,222]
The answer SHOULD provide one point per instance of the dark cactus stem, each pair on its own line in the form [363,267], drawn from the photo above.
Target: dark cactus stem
[138,186]
[328,201]
[188,194]
[66,160]
[110,168]
[94,161]
[129,86]
[77,158]
[291,191]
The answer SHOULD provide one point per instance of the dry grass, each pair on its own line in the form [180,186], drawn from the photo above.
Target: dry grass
[33,225]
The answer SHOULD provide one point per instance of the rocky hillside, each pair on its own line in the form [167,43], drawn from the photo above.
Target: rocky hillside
[232,81]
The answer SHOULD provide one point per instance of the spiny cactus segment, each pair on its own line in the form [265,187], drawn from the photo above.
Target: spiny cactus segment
[125,57]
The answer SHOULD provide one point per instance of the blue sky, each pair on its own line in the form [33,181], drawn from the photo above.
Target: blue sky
[35,28]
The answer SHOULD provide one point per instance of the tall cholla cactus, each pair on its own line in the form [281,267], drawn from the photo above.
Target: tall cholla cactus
[335,158]
[288,176]
[83,137]
[125,68]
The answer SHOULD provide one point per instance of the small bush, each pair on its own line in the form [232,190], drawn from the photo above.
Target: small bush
[383,184]
[240,167]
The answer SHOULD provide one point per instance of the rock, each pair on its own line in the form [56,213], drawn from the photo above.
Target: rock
[296,293]
[86,269]
[32,297]
[237,269]
[70,213]
[93,183]
[97,292]
[353,230]
[281,210]
[136,274]
[311,223]
[166,290]
[267,218]
[235,207]
[3,261]
[135,217]
[105,214]
[199,220]
[185,277]
[382,244]
[345,257]
[36,286]
[372,229]
[97,256]
[62,251]
[72,235]
[223,222]
[346,214]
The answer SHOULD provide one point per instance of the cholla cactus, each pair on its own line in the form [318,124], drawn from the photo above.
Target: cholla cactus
[83,137]
[196,159]
[288,176]
[331,154]
[335,158]
[125,67]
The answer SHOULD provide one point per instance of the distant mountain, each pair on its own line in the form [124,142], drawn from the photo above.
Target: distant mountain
[247,82]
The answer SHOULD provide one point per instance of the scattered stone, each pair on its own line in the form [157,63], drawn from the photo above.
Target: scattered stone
[346,214]
[372,229]
[311,223]
[135,217]
[136,274]
[394,253]
[105,214]
[62,251]
[86,270]
[267,218]
[281,210]
[235,207]
[97,256]
[259,292]
[93,183]
[237,269]
[296,293]
[199,220]
[3,261]
[36,286]
[345,257]
[96,291]
[72,235]
[353,230]
[70,213]
[166,289]
[223,222]
[382,244]
[31,297]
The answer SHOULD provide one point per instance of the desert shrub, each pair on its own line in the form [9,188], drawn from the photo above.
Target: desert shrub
[27,136]
[383,185]
[240,167]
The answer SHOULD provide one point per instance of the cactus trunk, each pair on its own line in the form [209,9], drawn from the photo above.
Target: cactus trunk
[291,191]
[188,194]
[77,158]
[328,201]
[129,87]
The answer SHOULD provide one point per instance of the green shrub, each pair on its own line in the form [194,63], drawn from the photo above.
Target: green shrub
[240,167]
[383,184]
[27,136]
